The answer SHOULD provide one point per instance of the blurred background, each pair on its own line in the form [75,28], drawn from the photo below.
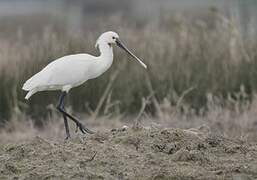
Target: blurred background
[201,56]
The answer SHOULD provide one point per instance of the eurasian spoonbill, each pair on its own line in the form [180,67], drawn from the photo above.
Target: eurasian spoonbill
[73,70]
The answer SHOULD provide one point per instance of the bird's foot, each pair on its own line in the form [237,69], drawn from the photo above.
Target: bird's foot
[83,129]
[67,137]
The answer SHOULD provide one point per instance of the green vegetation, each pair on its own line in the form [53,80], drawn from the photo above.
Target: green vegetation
[207,56]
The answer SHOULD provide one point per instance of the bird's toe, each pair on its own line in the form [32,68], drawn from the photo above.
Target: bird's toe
[67,137]
[83,129]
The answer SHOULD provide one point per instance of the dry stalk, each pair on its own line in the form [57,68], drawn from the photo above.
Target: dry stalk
[179,102]
[92,158]
[145,102]
[109,104]
[106,92]
[89,109]
[155,101]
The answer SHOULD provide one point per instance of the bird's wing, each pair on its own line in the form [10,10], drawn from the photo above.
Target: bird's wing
[68,70]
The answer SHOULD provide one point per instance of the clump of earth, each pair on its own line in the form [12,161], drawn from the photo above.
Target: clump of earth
[127,153]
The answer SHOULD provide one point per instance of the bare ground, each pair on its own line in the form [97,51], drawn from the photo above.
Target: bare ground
[147,153]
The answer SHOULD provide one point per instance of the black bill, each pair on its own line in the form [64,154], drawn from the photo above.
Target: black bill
[122,46]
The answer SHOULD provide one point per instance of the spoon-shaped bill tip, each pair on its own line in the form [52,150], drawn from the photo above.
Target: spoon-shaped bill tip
[122,46]
[143,64]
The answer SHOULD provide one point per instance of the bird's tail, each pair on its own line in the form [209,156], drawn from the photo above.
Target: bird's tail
[32,82]
[30,93]
[31,85]
[28,85]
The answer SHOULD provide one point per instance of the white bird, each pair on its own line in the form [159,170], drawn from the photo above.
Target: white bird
[73,70]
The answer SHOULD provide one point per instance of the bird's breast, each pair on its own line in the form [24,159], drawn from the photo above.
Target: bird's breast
[99,67]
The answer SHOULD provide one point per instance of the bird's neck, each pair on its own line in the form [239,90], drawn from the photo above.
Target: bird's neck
[106,51]
[105,58]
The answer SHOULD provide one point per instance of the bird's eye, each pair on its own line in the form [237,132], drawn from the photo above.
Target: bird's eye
[113,37]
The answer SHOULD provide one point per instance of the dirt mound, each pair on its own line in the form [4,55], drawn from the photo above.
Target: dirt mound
[132,154]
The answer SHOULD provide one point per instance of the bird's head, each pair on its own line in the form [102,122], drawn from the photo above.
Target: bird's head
[111,38]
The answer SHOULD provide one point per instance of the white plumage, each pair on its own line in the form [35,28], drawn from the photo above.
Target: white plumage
[64,73]
[73,70]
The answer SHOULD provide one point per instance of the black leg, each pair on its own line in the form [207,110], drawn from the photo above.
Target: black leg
[60,107]
[66,125]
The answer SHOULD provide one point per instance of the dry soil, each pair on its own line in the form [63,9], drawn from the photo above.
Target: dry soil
[146,153]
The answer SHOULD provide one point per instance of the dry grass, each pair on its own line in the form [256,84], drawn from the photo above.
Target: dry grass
[201,71]
[240,123]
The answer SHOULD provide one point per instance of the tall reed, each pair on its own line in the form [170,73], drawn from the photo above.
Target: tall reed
[208,55]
